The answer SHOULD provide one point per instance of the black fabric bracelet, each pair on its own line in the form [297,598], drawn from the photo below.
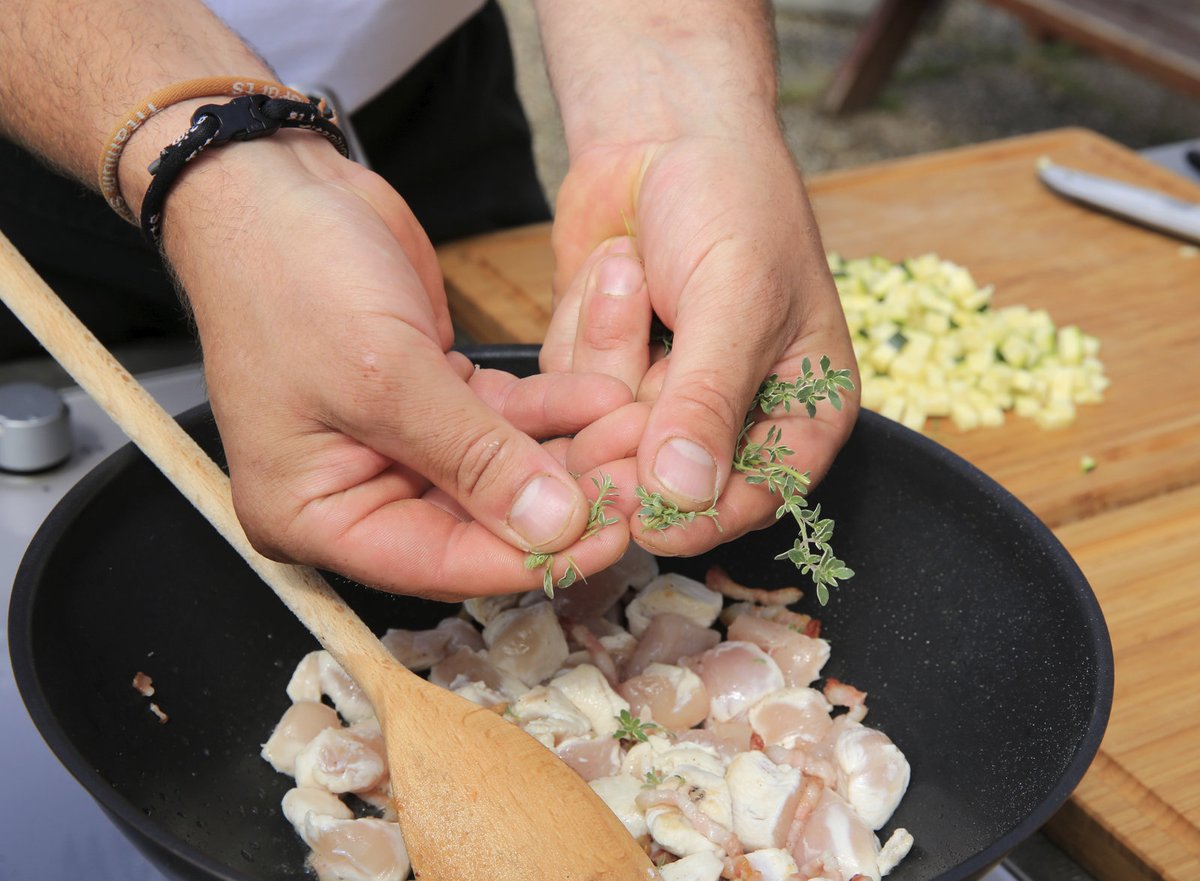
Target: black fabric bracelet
[242,119]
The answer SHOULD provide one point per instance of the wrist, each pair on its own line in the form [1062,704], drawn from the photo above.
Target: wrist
[635,75]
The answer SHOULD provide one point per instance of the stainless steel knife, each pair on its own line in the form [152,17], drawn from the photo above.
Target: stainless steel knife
[1152,208]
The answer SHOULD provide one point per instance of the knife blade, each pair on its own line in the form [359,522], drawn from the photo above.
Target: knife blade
[1148,207]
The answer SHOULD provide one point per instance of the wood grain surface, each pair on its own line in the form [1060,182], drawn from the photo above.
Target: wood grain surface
[1133,523]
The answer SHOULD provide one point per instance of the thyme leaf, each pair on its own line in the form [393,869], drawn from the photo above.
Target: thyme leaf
[764,463]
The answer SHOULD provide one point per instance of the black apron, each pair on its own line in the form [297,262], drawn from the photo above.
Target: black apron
[450,136]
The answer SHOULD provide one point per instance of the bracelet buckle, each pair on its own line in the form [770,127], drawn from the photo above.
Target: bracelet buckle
[241,119]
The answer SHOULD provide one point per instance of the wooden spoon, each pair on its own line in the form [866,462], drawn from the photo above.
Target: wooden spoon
[478,799]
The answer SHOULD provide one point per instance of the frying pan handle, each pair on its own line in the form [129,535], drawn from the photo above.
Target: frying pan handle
[181,460]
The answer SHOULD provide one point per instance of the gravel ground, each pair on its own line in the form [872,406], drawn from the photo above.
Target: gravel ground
[971,75]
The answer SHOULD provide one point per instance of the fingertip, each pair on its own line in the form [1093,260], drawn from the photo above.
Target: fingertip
[548,513]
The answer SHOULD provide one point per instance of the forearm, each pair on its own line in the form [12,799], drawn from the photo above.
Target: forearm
[70,69]
[654,70]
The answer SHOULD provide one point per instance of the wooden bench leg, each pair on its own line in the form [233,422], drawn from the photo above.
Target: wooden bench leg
[865,70]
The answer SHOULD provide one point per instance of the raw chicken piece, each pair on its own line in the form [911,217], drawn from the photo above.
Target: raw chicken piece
[718,579]
[726,739]
[343,760]
[704,866]
[298,803]
[620,792]
[837,843]
[773,864]
[527,642]
[667,638]
[872,773]
[466,666]
[319,674]
[673,697]
[894,850]
[737,675]
[484,609]
[765,796]
[546,714]
[602,644]
[672,593]
[604,589]
[421,649]
[691,811]
[800,657]
[591,757]
[659,758]
[478,693]
[300,723]
[355,850]
[791,717]
[586,687]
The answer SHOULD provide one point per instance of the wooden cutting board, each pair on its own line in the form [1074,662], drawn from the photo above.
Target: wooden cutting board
[1133,522]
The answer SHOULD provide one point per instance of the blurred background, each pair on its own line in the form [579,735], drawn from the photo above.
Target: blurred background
[972,73]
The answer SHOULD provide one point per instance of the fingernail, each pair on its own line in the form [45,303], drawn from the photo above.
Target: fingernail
[687,470]
[542,510]
[619,276]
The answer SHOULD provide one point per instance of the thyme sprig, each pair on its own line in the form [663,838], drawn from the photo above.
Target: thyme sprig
[597,519]
[657,513]
[763,462]
[631,729]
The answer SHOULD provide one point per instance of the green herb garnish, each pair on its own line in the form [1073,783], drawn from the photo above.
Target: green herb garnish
[762,463]
[632,729]
[597,520]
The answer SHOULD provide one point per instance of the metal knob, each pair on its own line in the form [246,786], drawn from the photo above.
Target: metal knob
[35,428]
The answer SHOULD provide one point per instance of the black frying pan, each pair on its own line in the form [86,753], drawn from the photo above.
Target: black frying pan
[980,643]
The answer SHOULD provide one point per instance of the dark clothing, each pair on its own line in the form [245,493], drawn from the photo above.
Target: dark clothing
[450,136]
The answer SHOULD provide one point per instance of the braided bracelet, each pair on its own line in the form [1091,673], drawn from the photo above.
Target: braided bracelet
[204,87]
[213,125]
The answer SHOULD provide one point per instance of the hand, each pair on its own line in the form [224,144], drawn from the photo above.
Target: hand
[733,264]
[355,441]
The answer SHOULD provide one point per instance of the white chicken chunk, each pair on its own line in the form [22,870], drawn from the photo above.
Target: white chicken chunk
[421,649]
[773,864]
[765,796]
[737,675]
[690,811]
[603,637]
[300,723]
[800,658]
[366,849]
[894,850]
[591,757]
[466,666]
[586,687]
[527,642]
[837,843]
[668,638]
[673,593]
[671,696]
[704,866]
[546,714]
[659,757]
[791,717]
[478,693]
[298,803]
[484,609]
[319,674]
[620,792]
[635,569]
[872,774]
[343,760]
